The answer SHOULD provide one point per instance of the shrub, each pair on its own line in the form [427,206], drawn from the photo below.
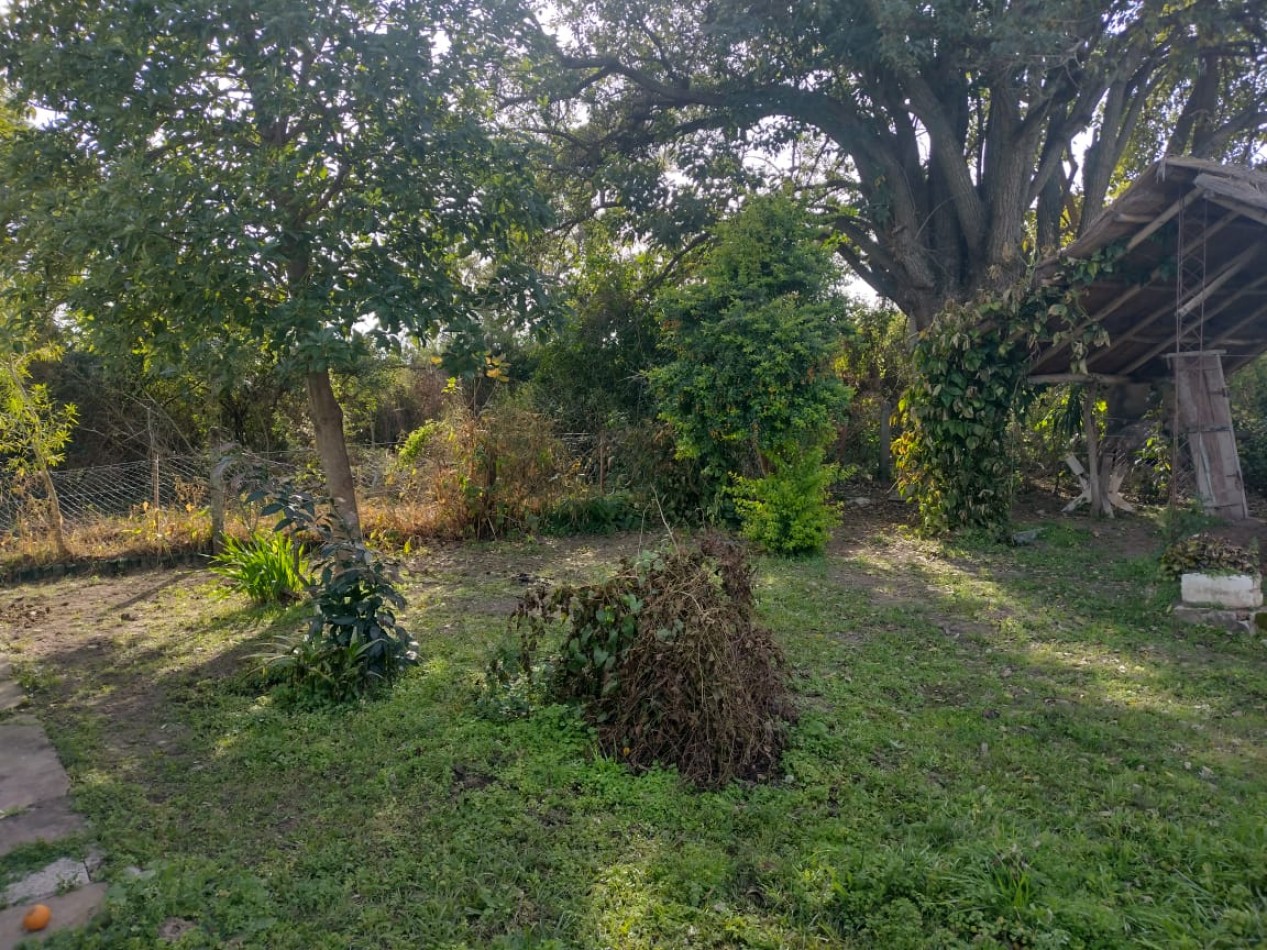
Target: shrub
[584,513]
[353,641]
[411,453]
[490,473]
[753,341]
[667,661]
[270,569]
[787,512]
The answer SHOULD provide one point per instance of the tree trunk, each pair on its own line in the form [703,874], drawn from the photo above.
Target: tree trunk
[332,447]
[886,441]
[54,513]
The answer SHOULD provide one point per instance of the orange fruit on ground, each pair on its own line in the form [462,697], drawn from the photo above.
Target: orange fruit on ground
[37,917]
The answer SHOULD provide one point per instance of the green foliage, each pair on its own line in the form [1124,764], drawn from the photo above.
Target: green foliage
[354,641]
[1248,392]
[753,340]
[270,569]
[1208,554]
[266,176]
[34,431]
[411,453]
[956,457]
[590,513]
[788,512]
[590,375]
[874,361]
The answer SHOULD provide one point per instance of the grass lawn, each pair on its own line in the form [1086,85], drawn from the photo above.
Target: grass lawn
[997,747]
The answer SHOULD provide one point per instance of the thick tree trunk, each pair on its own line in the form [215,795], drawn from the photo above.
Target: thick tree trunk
[332,447]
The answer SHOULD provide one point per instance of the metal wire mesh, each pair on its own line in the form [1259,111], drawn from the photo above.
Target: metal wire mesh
[169,481]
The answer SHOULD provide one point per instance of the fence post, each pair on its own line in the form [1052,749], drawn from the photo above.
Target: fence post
[157,486]
[222,458]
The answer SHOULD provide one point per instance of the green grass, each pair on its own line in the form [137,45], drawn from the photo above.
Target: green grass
[997,747]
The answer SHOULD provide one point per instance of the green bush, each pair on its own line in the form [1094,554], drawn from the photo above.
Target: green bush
[411,453]
[270,569]
[593,514]
[753,341]
[354,641]
[788,512]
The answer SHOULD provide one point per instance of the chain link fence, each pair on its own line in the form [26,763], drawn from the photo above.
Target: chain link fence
[174,481]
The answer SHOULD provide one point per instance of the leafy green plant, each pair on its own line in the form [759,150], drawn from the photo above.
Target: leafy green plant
[592,514]
[354,640]
[411,453]
[753,341]
[788,512]
[270,569]
[319,670]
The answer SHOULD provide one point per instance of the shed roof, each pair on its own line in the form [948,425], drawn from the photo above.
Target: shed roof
[1224,209]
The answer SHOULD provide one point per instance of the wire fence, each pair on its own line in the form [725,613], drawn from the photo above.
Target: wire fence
[180,481]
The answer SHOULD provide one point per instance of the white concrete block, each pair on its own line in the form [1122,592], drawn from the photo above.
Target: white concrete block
[1232,591]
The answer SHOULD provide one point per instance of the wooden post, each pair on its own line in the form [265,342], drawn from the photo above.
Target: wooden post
[1095,487]
[886,441]
[156,485]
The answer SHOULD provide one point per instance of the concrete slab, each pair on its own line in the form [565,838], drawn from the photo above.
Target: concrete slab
[29,769]
[11,695]
[50,820]
[62,875]
[69,910]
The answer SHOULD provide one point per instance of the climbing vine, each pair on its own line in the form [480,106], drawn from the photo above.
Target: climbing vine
[956,454]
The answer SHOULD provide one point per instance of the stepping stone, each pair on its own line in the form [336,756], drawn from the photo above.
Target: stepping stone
[11,695]
[61,875]
[69,910]
[29,771]
[49,820]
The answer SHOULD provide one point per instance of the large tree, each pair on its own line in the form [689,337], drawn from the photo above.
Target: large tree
[312,177]
[946,140]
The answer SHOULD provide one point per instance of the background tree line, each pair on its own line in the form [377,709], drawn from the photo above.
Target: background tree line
[264,221]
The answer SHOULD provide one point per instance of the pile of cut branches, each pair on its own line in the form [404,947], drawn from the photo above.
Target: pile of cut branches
[669,662]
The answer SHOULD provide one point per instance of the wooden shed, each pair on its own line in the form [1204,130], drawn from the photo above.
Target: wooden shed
[1184,306]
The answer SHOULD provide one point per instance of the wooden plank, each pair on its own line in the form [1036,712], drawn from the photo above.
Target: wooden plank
[1160,221]
[1205,418]
[1051,379]
[1210,315]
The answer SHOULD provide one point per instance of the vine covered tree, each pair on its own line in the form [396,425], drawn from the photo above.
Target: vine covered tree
[311,178]
[946,141]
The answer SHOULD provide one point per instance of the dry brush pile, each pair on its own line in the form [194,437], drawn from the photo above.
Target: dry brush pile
[668,661]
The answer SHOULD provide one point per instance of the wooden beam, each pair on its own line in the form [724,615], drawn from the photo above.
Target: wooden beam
[1240,324]
[1050,379]
[1159,222]
[1224,274]
[1213,286]
[1239,209]
[1125,297]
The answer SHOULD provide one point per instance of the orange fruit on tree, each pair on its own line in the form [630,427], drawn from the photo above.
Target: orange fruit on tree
[37,917]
